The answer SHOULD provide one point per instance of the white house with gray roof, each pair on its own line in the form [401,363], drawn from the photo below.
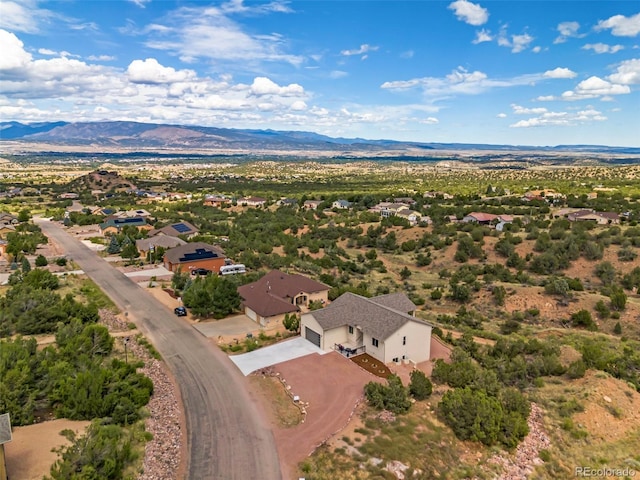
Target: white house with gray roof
[383,326]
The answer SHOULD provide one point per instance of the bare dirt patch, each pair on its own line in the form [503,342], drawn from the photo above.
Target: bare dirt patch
[332,386]
[29,455]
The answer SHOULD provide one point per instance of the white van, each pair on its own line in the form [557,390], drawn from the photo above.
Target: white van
[232,269]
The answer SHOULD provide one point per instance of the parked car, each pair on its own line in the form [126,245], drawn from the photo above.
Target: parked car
[200,271]
[180,311]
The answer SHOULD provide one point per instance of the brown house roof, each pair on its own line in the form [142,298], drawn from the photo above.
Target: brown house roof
[375,316]
[273,293]
[191,252]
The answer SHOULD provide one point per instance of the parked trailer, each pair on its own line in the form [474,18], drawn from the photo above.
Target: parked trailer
[232,269]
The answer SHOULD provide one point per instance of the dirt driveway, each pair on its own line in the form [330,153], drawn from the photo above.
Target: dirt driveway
[332,386]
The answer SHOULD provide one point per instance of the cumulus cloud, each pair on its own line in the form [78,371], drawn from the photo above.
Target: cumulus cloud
[602,47]
[559,72]
[23,16]
[556,119]
[265,86]
[13,55]
[470,13]
[517,43]
[483,36]
[594,87]
[502,115]
[364,49]
[150,71]
[101,58]
[627,73]
[519,110]
[567,30]
[621,26]
[429,121]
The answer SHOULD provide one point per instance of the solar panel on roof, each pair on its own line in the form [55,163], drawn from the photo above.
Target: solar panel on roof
[181,228]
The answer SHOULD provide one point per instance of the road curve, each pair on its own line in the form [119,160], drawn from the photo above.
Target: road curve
[226,438]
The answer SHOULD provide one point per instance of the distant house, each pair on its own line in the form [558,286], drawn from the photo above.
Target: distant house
[6,229]
[547,195]
[311,204]
[288,202]
[383,326]
[388,209]
[406,200]
[216,200]
[341,204]
[8,219]
[601,218]
[480,218]
[3,250]
[140,212]
[194,255]
[69,195]
[146,245]
[270,298]
[113,226]
[411,215]
[252,201]
[175,230]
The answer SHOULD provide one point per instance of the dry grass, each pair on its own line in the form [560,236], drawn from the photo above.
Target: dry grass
[280,405]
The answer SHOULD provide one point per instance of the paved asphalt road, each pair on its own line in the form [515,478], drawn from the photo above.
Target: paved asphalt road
[226,438]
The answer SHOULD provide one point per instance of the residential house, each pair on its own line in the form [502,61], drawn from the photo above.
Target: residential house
[8,219]
[276,294]
[216,201]
[406,200]
[383,327]
[311,204]
[601,218]
[3,250]
[434,194]
[6,229]
[112,226]
[411,215]
[341,204]
[176,230]
[388,209]
[69,195]
[151,244]
[548,195]
[252,201]
[140,212]
[194,255]
[288,202]
[480,218]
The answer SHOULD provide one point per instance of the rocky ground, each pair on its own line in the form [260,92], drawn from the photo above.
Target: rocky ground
[164,453]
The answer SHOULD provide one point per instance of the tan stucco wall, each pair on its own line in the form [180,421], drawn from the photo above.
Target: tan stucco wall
[335,336]
[418,343]
[307,320]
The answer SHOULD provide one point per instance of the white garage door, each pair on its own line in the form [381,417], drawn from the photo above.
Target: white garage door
[312,336]
[251,314]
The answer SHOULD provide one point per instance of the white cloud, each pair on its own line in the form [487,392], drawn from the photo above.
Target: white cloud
[559,72]
[470,13]
[298,105]
[207,33]
[140,3]
[265,86]
[621,26]
[429,121]
[23,16]
[483,36]
[628,73]
[519,110]
[502,115]
[602,47]
[151,72]
[46,51]
[567,29]
[338,74]
[536,49]
[364,48]
[101,58]
[517,43]
[557,119]
[545,98]
[594,87]
[13,54]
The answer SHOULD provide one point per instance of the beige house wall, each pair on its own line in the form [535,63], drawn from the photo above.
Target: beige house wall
[307,320]
[417,346]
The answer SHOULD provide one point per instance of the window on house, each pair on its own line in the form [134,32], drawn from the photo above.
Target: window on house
[404,340]
[374,342]
[350,329]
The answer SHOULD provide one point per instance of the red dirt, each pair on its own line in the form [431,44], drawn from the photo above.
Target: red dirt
[332,386]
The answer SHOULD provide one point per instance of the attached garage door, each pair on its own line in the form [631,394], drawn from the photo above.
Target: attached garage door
[251,314]
[313,337]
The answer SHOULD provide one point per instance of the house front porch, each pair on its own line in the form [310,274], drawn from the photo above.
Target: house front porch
[349,350]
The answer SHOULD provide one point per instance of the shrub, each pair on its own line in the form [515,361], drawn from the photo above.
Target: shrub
[420,387]
[617,329]
[576,369]
[582,318]
[393,397]
[41,261]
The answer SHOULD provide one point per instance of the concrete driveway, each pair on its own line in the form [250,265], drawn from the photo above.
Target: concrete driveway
[237,325]
[273,354]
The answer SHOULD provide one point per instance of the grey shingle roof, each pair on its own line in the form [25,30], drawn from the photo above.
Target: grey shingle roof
[375,316]
[163,241]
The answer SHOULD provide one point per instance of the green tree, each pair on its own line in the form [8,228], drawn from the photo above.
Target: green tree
[26,266]
[499,295]
[582,318]
[606,272]
[618,298]
[114,246]
[130,251]
[420,386]
[393,397]
[405,273]
[291,322]
[41,261]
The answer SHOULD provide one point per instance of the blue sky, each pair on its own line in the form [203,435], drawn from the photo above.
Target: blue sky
[516,72]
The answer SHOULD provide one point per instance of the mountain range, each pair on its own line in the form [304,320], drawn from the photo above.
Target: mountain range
[135,135]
